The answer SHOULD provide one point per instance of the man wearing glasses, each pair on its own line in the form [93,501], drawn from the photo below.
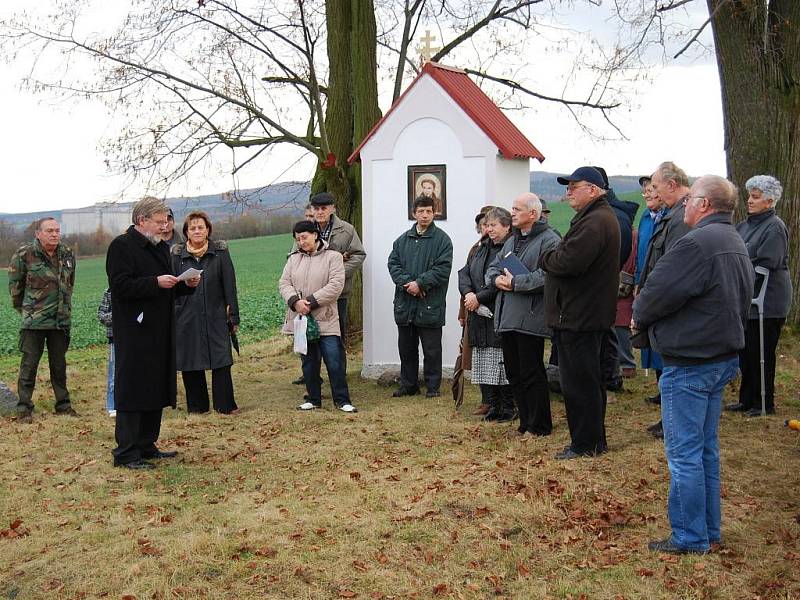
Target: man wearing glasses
[671,186]
[143,292]
[694,308]
[580,302]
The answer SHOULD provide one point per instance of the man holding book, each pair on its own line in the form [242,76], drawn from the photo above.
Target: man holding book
[519,312]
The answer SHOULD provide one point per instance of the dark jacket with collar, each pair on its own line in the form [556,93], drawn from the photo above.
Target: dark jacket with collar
[143,323]
[625,210]
[471,278]
[426,258]
[522,309]
[669,230]
[697,297]
[582,272]
[767,241]
[203,340]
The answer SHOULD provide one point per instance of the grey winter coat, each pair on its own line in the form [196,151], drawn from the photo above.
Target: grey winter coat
[767,241]
[697,297]
[203,337]
[522,310]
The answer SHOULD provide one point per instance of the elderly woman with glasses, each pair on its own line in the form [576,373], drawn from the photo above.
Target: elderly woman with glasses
[767,241]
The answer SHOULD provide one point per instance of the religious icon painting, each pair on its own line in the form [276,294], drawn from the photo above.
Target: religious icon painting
[430,181]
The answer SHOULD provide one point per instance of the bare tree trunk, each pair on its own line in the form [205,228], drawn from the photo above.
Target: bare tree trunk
[351,112]
[758,56]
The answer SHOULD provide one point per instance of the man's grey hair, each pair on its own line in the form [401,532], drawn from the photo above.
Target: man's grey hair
[669,171]
[41,221]
[146,208]
[501,215]
[769,186]
[721,193]
[532,202]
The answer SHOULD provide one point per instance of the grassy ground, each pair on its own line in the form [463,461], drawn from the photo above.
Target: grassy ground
[405,499]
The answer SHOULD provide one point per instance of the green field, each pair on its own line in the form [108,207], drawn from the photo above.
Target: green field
[258,262]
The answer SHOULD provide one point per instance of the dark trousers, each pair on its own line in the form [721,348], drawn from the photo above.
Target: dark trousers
[197,390]
[31,345]
[750,363]
[582,388]
[523,356]
[327,348]
[341,306]
[409,338]
[609,360]
[136,432]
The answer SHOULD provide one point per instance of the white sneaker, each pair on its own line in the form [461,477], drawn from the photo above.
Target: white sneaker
[307,406]
[349,408]
[112,413]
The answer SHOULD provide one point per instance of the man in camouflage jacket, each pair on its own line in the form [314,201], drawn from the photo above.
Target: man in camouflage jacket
[40,280]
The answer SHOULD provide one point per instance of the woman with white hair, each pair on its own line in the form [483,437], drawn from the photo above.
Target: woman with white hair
[767,241]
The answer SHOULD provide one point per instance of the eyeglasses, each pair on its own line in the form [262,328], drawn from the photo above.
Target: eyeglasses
[686,200]
[572,187]
[162,222]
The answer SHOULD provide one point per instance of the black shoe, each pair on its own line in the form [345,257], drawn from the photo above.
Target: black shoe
[506,416]
[136,465]
[404,391]
[25,417]
[615,385]
[736,407]
[653,399]
[432,394]
[67,412]
[161,454]
[657,430]
[667,547]
[568,454]
[494,413]
[756,412]
[299,381]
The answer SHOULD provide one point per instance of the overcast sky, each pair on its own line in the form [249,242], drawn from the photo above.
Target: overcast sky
[50,157]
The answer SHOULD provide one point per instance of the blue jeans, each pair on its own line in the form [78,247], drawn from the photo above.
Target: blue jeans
[330,349]
[110,386]
[691,401]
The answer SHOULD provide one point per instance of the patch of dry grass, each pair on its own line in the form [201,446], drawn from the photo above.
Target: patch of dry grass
[405,499]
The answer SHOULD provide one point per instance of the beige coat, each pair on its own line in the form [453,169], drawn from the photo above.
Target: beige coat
[319,278]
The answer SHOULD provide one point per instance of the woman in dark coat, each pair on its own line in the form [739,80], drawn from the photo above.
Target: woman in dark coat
[206,319]
[479,300]
[767,241]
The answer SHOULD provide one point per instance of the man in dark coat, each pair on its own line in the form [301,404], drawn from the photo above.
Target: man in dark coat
[694,308]
[625,211]
[420,264]
[580,300]
[142,299]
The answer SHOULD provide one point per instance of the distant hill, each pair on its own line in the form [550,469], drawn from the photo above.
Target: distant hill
[281,198]
[544,184]
[290,197]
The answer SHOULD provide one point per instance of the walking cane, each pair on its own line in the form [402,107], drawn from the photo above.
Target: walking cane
[759,302]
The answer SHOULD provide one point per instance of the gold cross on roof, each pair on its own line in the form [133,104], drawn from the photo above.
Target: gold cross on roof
[426,51]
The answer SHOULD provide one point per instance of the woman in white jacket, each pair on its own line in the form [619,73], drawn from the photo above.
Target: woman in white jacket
[312,281]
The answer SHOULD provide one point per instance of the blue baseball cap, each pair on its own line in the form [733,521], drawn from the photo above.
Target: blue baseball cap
[587,174]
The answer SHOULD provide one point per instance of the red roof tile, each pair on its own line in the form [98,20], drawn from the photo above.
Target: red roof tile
[485,113]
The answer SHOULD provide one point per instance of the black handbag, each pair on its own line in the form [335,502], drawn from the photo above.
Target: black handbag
[640,339]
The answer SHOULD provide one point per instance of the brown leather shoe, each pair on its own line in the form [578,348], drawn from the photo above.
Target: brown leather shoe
[482,410]
[629,372]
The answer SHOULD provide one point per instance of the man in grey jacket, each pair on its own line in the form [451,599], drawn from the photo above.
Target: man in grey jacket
[519,314]
[694,308]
